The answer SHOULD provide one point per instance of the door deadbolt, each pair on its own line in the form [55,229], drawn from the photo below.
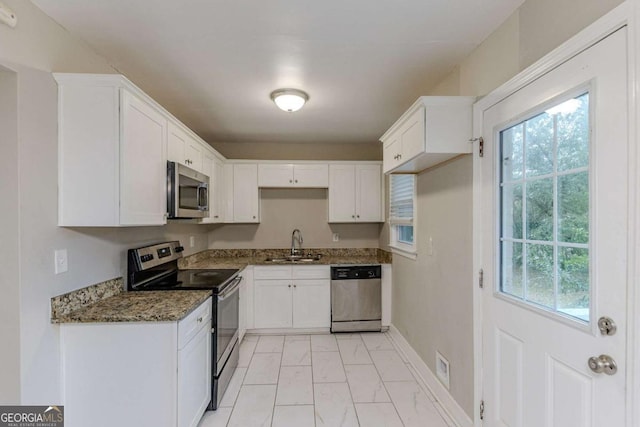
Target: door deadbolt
[607,326]
[603,364]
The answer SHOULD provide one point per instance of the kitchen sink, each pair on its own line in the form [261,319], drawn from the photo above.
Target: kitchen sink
[295,258]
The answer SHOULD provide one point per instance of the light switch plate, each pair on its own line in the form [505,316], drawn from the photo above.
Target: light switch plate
[61,261]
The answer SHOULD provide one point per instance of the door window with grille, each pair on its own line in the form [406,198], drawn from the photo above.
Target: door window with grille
[544,206]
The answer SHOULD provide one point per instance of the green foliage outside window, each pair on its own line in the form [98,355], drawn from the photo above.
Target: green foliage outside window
[545,208]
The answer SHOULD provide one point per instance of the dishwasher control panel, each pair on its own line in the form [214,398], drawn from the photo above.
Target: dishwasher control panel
[358,272]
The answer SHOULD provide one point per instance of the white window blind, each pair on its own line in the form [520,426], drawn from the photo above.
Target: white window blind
[401,200]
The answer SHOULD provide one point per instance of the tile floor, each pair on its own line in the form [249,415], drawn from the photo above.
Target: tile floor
[324,380]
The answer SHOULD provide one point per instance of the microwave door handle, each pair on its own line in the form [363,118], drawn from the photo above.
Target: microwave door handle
[203,197]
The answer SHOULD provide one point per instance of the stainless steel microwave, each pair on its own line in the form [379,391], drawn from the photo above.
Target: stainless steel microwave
[188,192]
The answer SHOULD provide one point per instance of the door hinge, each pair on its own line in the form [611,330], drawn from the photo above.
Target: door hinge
[482,409]
[480,145]
[481,279]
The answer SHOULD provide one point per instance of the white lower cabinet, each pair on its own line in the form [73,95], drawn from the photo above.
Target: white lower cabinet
[292,297]
[132,374]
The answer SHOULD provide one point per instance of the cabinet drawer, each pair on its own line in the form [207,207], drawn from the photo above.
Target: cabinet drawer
[311,272]
[272,272]
[190,325]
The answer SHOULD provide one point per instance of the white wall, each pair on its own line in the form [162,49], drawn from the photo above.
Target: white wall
[29,363]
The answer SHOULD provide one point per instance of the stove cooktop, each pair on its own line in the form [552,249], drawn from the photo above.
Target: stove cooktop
[194,279]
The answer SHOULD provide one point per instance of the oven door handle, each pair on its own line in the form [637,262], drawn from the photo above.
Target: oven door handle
[233,287]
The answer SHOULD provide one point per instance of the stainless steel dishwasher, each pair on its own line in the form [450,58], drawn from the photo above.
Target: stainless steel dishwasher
[356,298]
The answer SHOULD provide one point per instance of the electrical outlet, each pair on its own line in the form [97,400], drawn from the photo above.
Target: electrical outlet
[192,241]
[336,237]
[61,261]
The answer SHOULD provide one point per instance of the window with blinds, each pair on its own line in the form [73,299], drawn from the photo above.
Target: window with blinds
[401,212]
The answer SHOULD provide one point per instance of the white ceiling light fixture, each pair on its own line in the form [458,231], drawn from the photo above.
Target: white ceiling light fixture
[289,100]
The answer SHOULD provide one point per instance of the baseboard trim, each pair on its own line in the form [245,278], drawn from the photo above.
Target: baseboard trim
[442,395]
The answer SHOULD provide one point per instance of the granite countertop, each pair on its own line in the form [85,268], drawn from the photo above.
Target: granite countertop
[151,306]
[240,258]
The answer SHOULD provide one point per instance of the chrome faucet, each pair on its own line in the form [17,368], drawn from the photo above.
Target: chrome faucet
[293,242]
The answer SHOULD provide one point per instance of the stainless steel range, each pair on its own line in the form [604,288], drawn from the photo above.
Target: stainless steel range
[155,267]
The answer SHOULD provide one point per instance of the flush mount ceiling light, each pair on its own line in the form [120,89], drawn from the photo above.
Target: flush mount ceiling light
[289,100]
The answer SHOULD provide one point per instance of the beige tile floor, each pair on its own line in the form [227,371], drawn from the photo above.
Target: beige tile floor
[324,380]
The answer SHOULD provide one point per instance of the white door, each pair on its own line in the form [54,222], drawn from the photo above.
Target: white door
[554,244]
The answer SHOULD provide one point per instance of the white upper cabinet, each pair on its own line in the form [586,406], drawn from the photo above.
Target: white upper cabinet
[246,197]
[433,130]
[213,167]
[303,175]
[113,146]
[184,149]
[356,193]
[111,153]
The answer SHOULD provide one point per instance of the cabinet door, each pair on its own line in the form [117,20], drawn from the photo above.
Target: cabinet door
[193,154]
[245,193]
[194,378]
[342,190]
[275,175]
[143,163]
[412,136]
[217,192]
[391,152]
[182,148]
[311,304]
[369,200]
[311,175]
[272,301]
[228,192]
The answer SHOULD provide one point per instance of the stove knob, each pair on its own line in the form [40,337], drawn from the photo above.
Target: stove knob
[179,249]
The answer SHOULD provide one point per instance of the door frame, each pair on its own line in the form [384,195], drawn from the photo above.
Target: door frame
[626,14]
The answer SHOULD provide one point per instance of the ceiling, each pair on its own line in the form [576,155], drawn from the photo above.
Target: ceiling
[213,63]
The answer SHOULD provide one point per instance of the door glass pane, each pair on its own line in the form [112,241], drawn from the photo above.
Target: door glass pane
[512,269]
[512,211]
[538,145]
[573,133]
[512,153]
[540,209]
[573,297]
[573,208]
[544,209]
[540,275]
